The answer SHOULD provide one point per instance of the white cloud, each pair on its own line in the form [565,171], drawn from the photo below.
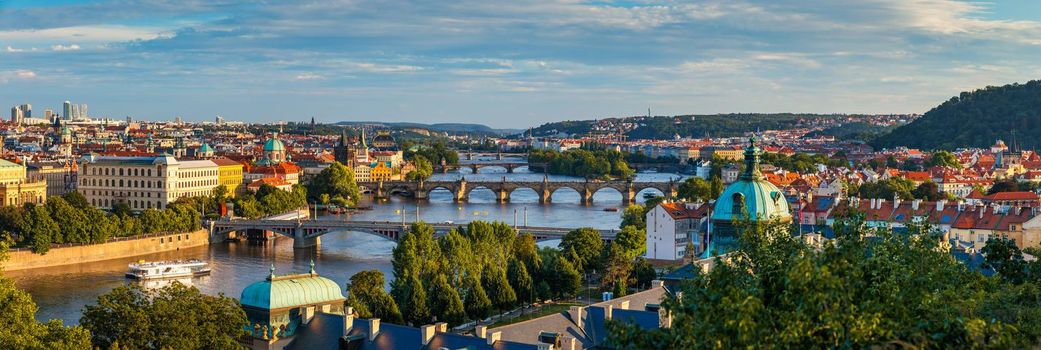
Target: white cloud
[788,58]
[21,74]
[309,76]
[60,47]
[896,79]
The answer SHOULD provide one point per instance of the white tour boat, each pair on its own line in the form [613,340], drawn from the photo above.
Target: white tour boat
[168,269]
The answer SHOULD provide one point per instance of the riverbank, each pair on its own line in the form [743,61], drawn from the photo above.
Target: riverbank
[21,259]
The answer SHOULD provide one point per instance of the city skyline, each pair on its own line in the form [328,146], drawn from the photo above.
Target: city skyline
[507,65]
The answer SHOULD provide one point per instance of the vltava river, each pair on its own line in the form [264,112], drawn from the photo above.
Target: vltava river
[61,292]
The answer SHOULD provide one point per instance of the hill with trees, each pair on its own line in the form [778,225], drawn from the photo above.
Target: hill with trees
[975,119]
[664,127]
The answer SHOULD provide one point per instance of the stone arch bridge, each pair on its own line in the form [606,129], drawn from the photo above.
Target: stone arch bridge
[461,188]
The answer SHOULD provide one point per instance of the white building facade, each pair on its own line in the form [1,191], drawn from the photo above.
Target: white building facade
[143,182]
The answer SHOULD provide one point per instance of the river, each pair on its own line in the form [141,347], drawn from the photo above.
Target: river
[62,292]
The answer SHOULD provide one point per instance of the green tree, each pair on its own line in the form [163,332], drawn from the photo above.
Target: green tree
[1002,255]
[1004,185]
[587,245]
[424,169]
[19,328]
[39,229]
[415,305]
[174,317]
[943,159]
[337,181]
[366,294]
[478,305]
[500,293]
[928,191]
[526,251]
[632,240]
[893,290]
[520,280]
[445,303]
[696,189]
[634,215]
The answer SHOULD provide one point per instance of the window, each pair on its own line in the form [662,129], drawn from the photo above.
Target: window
[739,203]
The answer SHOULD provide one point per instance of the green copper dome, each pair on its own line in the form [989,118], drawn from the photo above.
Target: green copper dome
[206,148]
[277,292]
[273,145]
[751,194]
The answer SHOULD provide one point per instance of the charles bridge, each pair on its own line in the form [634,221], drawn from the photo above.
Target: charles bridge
[461,188]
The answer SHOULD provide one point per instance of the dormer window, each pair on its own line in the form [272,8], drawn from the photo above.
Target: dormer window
[739,203]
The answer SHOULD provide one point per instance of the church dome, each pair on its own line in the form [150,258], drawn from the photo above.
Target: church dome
[206,148]
[751,194]
[287,291]
[274,145]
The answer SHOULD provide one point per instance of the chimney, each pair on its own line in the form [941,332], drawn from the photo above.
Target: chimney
[657,284]
[374,328]
[481,331]
[624,305]
[915,203]
[872,204]
[441,327]
[494,337]
[940,204]
[607,312]
[576,313]
[348,320]
[664,318]
[896,202]
[427,331]
[569,343]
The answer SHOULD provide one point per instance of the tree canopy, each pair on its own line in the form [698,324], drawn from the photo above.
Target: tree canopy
[173,317]
[336,181]
[893,290]
[975,119]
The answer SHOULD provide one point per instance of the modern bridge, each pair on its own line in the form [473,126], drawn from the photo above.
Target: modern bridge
[307,233]
[461,188]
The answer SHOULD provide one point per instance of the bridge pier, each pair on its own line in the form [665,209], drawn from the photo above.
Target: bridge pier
[474,167]
[628,197]
[509,168]
[421,194]
[502,195]
[300,239]
[587,196]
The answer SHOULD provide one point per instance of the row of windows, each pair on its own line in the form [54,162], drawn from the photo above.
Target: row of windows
[197,183]
[197,173]
[112,171]
[121,194]
[134,204]
[120,183]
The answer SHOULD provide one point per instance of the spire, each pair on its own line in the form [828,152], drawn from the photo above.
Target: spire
[312,268]
[751,161]
[272,272]
[363,144]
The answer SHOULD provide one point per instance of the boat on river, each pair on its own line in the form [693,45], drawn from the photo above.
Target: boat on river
[144,270]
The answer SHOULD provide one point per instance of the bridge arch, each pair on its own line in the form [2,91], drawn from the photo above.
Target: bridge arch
[524,190]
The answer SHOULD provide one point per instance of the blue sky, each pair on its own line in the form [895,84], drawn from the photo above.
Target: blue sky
[507,63]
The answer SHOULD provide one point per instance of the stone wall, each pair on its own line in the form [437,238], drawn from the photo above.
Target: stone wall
[69,255]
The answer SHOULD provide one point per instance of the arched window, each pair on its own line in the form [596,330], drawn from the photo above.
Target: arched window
[739,203]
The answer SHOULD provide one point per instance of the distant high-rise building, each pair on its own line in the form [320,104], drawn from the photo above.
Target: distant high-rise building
[220,120]
[48,114]
[19,113]
[130,120]
[16,115]
[67,110]
[83,111]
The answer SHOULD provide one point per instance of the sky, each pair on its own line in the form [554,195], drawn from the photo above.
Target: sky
[508,64]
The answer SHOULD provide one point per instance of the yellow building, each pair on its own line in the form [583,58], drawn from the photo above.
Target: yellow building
[381,171]
[15,189]
[229,174]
